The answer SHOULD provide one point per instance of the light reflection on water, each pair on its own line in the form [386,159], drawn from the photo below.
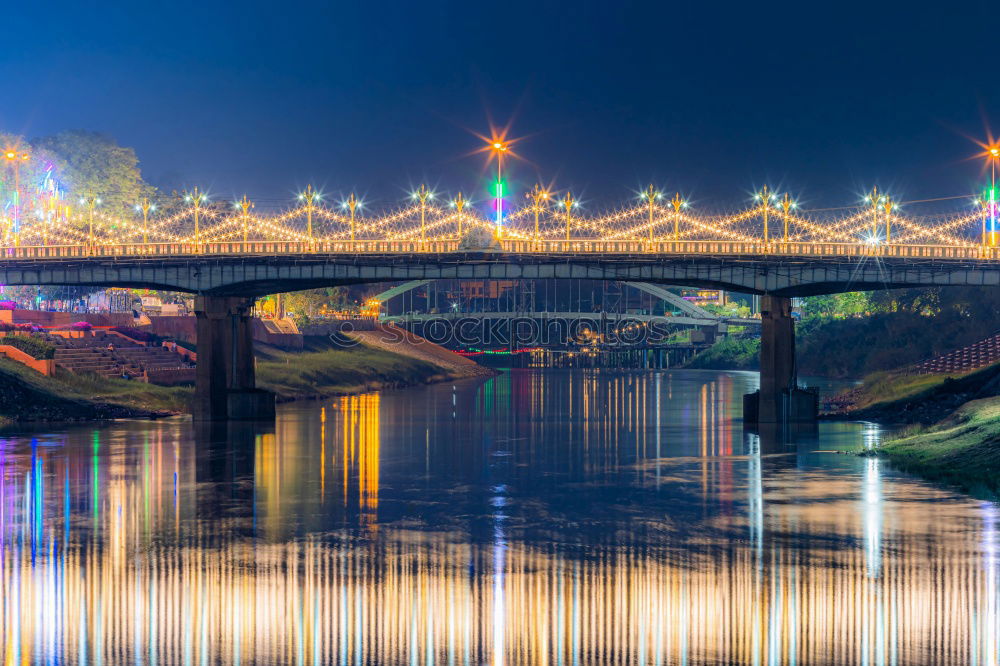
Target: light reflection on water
[543,517]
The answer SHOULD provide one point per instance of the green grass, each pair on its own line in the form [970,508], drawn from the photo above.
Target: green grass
[32,346]
[334,371]
[884,393]
[963,450]
[886,388]
[129,393]
[26,395]
[321,369]
[729,353]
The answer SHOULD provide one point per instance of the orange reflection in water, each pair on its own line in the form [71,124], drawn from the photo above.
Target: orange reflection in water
[104,559]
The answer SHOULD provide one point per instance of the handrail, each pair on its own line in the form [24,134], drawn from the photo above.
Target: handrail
[576,246]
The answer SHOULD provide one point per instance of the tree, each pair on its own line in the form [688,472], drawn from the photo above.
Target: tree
[837,305]
[95,165]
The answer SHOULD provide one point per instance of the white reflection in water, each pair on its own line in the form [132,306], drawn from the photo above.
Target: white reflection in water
[118,546]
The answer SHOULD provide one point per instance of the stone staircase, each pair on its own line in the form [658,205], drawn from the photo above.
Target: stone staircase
[974,356]
[91,354]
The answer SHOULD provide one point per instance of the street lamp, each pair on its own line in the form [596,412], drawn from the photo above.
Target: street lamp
[651,195]
[352,205]
[568,204]
[538,195]
[677,203]
[145,207]
[309,196]
[245,205]
[993,154]
[196,198]
[765,196]
[90,202]
[874,198]
[786,203]
[499,148]
[888,205]
[16,157]
[423,194]
[458,204]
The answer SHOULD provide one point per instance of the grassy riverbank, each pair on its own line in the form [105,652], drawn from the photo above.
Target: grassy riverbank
[951,425]
[900,398]
[26,395]
[321,369]
[962,450]
[324,370]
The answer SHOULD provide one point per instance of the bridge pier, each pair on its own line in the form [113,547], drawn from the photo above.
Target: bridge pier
[225,381]
[779,400]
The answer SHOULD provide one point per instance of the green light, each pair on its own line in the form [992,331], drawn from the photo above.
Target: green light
[499,189]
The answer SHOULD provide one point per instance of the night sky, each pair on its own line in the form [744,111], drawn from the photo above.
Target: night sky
[713,99]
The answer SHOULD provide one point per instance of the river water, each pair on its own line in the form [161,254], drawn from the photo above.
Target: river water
[540,517]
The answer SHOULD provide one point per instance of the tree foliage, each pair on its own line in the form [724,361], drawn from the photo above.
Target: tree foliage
[94,165]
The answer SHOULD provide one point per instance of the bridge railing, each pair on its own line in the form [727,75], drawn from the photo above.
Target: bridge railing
[513,246]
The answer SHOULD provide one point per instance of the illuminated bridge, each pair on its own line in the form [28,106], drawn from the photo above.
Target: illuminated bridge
[229,256]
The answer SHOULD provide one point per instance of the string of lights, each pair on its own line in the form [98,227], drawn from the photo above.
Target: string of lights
[50,219]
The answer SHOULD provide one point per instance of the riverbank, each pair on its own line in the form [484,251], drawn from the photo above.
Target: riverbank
[366,361]
[962,450]
[949,426]
[25,395]
[905,399]
[325,367]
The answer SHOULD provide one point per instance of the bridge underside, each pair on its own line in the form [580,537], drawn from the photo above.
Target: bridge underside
[258,275]
[227,283]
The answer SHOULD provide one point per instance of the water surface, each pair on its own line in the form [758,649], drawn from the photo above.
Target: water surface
[540,517]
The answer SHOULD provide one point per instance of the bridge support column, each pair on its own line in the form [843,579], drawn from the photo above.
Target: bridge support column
[225,381]
[779,400]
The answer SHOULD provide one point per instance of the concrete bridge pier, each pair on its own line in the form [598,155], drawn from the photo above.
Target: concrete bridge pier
[225,381]
[779,400]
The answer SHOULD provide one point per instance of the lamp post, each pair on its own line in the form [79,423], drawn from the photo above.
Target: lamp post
[245,206]
[677,202]
[90,202]
[538,194]
[422,194]
[568,204]
[887,206]
[994,155]
[786,203]
[144,208]
[765,198]
[651,195]
[875,199]
[985,212]
[196,198]
[309,196]
[352,205]
[16,157]
[459,204]
[499,147]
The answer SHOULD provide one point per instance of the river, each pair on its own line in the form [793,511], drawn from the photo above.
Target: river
[539,517]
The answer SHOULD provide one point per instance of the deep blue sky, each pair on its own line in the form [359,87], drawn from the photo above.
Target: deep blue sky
[706,97]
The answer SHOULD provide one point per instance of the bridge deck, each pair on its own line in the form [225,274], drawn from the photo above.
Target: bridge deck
[259,268]
[526,247]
